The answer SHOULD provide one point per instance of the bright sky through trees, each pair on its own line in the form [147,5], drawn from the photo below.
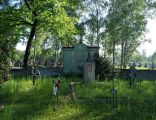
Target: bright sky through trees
[150,48]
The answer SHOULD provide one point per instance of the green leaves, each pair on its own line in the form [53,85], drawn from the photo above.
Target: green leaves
[125,24]
[51,16]
[154,58]
[57,20]
[39,16]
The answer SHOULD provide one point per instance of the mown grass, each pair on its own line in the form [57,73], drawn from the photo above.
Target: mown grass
[23,101]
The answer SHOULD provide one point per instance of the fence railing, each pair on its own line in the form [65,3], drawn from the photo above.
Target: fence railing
[140,74]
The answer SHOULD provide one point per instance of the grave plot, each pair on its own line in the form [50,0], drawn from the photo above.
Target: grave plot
[144,92]
[23,100]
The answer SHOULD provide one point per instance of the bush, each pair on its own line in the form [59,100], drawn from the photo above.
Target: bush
[5,52]
[103,66]
[4,71]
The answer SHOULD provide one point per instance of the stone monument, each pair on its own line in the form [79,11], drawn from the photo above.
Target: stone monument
[75,57]
[89,70]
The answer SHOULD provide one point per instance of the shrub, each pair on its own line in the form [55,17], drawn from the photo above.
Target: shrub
[103,66]
[5,52]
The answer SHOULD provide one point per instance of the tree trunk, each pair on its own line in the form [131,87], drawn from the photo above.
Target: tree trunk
[124,56]
[113,53]
[29,44]
[122,51]
[97,31]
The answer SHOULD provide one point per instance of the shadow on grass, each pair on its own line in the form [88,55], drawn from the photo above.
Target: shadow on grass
[105,112]
[37,102]
[28,103]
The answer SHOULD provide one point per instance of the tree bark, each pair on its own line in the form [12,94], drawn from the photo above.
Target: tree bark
[29,44]
[124,54]
[31,36]
[122,51]
[113,53]
[97,32]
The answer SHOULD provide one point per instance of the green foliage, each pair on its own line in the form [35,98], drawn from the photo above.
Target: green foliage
[16,55]
[5,58]
[154,58]
[92,21]
[125,26]
[103,66]
[31,17]
[137,57]
[8,41]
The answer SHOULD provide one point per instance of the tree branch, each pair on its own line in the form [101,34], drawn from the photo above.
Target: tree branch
[21,21]
[27,4]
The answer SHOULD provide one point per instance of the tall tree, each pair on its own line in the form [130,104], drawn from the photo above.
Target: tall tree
[153,59]
[8,41]
[125,25]
[38,15]
[96,12]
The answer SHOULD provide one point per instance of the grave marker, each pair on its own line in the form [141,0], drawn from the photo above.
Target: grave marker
[35,75]
[89,70]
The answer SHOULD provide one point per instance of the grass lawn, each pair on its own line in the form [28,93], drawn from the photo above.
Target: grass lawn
[23,101]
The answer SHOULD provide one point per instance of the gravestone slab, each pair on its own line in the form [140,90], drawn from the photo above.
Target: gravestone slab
[89,72]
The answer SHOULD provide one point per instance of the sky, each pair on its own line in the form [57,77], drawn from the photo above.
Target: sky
[150,48]
[20,47]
